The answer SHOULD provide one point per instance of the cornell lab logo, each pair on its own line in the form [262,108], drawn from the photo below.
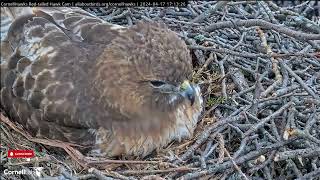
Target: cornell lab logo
[35,171]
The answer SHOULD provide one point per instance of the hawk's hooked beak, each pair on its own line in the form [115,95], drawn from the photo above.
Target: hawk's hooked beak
[187,90]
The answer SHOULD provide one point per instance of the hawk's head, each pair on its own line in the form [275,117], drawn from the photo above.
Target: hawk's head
[144,74]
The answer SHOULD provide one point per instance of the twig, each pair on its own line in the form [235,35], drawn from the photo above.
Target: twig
[264,24]
[179,169]
[308,152]
[312,175]
[206,133]
[220,167]
[235,165]
[300,81]
[263,121]
[211,10]
[99,174]
[275,66]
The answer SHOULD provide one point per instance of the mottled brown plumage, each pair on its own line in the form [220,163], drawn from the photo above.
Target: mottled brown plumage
[68,75]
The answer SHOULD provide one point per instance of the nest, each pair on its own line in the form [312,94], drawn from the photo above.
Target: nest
[258,65]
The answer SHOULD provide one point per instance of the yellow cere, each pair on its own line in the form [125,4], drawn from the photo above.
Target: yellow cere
[184,85]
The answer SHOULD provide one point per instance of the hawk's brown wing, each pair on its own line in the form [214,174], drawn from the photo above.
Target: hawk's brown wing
[46,60]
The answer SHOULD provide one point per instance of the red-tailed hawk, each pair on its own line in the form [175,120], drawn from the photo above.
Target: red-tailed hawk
[70,76]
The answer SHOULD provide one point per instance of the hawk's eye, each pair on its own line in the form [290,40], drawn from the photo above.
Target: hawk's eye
[157,83]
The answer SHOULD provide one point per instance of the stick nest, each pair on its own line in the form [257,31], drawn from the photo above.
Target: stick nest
[258,65]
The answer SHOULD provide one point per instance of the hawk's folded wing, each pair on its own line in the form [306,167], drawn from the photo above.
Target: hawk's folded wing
[47,56]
